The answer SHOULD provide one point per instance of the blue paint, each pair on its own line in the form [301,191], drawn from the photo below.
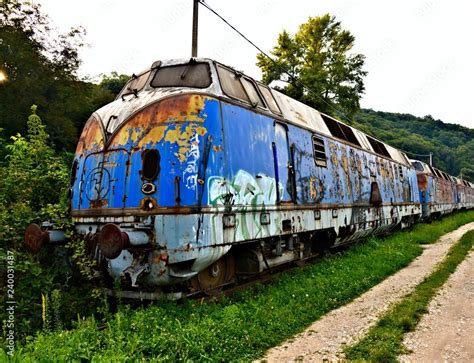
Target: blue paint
[238,139]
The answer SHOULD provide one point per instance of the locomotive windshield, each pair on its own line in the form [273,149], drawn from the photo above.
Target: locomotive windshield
[197,75]
[135,84]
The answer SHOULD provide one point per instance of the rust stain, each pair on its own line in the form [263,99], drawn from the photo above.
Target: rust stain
[333,152]
[148,126]
[156,134]
[201,130]
[161,122]
[148,204]
[422,181]
[182,137]
[345,167]
[91,137]
[217,148]
[162,257]
[99,203]
[312,188]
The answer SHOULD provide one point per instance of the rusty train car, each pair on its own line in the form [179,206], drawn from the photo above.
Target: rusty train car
[197,174]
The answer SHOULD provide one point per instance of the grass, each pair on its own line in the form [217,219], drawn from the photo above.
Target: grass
[384,342]
[244,326]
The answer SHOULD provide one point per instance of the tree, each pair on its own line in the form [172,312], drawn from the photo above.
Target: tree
[318,57]
[41,69]
[114,82]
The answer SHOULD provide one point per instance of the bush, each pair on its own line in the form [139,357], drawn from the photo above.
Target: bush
[33,188]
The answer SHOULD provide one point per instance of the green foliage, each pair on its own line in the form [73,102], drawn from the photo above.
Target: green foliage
[114,82]
[248,323]
[51,311]
[384,342]
[452,145]
[319,56]
[33,182]
[33,188]
[41,69]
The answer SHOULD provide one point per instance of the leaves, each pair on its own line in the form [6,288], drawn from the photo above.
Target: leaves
[452,145]
[33,188]
[41,68]
[318,66]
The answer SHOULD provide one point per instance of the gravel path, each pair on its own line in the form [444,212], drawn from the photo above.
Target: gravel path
[446,333]
[326,338]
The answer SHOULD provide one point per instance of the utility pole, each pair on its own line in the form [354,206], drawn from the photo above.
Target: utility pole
[431,159]
[195,29]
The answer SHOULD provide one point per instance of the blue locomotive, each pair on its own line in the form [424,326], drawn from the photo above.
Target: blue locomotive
[197,174]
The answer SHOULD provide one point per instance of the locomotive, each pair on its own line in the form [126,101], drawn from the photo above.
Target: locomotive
[198,174]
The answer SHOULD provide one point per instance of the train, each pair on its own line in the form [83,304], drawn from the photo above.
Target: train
[197,175]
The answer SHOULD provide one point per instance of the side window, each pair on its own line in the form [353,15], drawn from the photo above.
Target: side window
[319,151]
[340,130]
[135,84]
[195,75]
[378,147]
[267,94]
[255,98]
[238,86]
[231,84]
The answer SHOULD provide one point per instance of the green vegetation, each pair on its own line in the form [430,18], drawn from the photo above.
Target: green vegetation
[319,57]
[384,342]
[452,145]
[34,182]
[40,68]
[246,325]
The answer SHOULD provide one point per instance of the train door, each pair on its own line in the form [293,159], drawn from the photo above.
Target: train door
[284,170]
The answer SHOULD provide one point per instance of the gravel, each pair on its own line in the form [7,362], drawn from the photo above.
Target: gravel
[326,338]
[446,333]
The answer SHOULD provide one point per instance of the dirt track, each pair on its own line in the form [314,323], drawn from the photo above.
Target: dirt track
[326,338]
[446,333]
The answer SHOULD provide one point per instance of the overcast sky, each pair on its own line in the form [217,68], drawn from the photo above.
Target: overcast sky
[419,52]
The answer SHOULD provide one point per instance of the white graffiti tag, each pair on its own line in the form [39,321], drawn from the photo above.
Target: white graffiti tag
[192,156]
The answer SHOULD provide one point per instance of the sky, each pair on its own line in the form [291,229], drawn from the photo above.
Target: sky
[418,52]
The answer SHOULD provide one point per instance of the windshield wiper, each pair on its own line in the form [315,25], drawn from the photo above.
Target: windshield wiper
[185,70]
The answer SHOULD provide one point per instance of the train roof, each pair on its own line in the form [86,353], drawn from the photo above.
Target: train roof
[151,85]
[430,170]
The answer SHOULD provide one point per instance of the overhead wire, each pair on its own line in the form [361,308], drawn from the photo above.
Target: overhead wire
[287,72]
[279,66]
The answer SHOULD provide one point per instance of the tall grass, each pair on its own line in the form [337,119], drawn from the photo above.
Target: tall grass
[244,326]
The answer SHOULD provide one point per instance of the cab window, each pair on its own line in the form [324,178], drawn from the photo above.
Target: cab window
[197,75]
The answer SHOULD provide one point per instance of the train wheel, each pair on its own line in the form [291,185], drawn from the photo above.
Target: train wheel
[219,273]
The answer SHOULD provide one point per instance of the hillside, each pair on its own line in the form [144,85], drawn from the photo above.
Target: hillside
[452,145]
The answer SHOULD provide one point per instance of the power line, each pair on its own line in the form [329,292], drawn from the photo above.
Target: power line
[279,66]
[292,77]
[417,154]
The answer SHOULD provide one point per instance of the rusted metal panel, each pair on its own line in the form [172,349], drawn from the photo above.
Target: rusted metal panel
[186,132]
[92,137]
